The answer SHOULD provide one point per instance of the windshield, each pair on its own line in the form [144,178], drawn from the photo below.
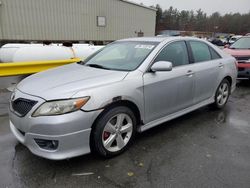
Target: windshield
[242,43]
[124,56]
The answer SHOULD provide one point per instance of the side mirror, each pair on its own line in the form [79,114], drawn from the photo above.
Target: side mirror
[162,66]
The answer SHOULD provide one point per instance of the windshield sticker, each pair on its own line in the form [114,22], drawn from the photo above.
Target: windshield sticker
[149,47]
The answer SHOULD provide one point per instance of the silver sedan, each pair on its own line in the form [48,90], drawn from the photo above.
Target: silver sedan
[129,86]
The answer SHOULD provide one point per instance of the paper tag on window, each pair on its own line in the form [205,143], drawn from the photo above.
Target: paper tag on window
[149,47]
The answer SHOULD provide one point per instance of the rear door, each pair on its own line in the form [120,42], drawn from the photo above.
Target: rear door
[207,65]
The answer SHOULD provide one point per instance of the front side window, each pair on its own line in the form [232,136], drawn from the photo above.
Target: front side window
[200,51]
[123,56]
[176,53]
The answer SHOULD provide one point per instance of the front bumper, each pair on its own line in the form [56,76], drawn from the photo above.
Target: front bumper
[70,145]
[71,131]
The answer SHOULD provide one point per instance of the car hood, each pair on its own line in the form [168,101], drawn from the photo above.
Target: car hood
[237,52]
[63,82]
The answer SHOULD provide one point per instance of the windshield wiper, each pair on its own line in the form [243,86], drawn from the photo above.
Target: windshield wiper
[97,66]
[80,62]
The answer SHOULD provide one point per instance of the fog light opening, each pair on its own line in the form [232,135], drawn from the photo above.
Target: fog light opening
[47,144]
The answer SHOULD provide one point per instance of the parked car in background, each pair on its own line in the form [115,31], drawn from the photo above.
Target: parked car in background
[241,51]
[129,86]
[224,40]
[234,38]
[217,42]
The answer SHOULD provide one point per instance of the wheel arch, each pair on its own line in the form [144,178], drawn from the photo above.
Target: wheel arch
[229,78]
[127,103]
[132,106]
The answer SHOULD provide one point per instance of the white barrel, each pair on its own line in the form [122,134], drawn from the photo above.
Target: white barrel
[7,51]
[40,52]
[43,53]
[81,45]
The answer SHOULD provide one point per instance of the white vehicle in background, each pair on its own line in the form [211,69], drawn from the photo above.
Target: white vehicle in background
[234,38]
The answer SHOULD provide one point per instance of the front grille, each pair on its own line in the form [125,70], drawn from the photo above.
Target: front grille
[22,106]
[241,69]
[242,58]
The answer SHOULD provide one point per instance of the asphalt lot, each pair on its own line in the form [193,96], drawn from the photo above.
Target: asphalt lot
[205,148]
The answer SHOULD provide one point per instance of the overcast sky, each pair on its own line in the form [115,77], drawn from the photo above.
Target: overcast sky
[208,6]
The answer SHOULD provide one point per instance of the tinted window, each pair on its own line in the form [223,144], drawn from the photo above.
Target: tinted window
[175,53]
[200,51]
[214,54]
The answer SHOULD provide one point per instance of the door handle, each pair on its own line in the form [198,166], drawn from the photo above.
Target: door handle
[189,73]
[221,65]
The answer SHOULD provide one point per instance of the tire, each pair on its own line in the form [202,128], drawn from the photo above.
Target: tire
[222,94]
[113,132]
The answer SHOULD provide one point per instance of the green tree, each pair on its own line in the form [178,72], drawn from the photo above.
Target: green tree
[172,19]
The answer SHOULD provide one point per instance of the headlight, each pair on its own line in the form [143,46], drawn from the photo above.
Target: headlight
[60,107]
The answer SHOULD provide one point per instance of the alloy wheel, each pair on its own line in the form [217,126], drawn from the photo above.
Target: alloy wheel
[223,94]
[117,132]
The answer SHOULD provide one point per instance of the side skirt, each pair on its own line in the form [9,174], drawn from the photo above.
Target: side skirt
[175,115]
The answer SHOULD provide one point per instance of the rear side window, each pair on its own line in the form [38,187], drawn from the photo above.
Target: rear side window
[214,54]
[200,51]
[176,53]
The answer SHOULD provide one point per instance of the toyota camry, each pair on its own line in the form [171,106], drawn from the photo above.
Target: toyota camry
[129,86]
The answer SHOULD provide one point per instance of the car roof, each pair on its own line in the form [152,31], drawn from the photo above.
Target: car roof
[247,36]
[159,39]
[237,36]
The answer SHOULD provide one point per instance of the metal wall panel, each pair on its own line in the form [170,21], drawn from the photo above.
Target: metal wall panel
[73,20]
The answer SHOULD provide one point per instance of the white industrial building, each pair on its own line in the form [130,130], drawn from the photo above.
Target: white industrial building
[74,20]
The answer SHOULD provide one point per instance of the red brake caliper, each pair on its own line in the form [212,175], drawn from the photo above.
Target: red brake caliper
[106,135]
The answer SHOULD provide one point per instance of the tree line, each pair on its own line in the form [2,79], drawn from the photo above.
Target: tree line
[173,19]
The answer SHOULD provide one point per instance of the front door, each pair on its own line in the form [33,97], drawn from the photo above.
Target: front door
[169,91]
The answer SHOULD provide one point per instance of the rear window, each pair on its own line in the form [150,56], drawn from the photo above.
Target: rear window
[200,51]
[214,54]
